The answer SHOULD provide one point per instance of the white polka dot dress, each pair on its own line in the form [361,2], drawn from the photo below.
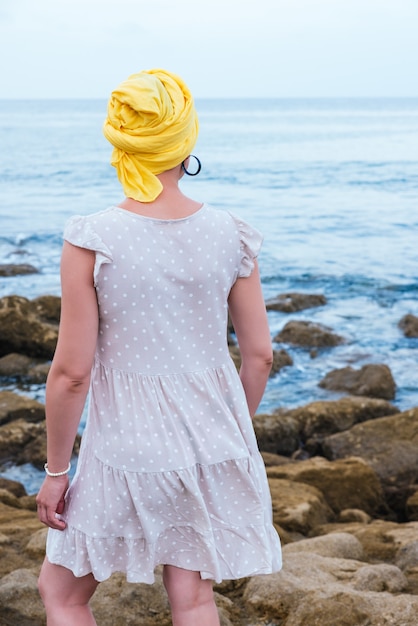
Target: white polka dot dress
[169,471]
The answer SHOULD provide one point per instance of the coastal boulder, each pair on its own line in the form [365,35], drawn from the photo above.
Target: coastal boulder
[316,590]
[23,330]
[280,359]
[293,302]
[325,417]
[11,269]
[23,368]
[345,484]
[14,406]
[308,335]
[373,380]
[390,446]
[409,325]
[278,433]
[298,507]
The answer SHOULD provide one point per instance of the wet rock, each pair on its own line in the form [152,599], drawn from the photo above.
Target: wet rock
[17,438]
[409,325]
[280,359]
[23,331]
[373,380]
[10,269]
[16,488]
[293,302]
[14,406]
[390,446]
[308,335]
[278,433]
[47,308]
[22,368]
[347,483]
[321,418]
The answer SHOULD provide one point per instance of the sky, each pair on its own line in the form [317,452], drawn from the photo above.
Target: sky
[221,48]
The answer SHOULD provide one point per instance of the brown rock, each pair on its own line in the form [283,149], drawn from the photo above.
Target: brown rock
[20,600]
[347,483]
[277,433]
[280,359]
[373,380]
[292,302]
[412,507]
[16,488]
[409,325]
[47,308]
[14,406]
[15,436]
[10,269]
[308,334]
[23,368]
[298,507]
[390,446]
[22,331]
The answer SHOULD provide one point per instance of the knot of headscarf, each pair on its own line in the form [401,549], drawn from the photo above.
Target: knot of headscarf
[152,124]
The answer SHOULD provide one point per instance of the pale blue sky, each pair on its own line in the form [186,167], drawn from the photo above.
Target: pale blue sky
[222,48]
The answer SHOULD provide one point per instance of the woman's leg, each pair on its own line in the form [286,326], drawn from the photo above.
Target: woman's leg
[191,598]
[65,596]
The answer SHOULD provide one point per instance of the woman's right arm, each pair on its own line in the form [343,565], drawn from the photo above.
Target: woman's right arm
[249,318]
[69,376]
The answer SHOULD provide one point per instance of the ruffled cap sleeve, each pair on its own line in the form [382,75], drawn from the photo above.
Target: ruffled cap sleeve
[250,245]
[79,231]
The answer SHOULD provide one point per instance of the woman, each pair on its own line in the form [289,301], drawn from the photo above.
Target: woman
[169,472]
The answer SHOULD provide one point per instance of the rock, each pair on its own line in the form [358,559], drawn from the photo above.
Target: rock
[16,436]
[374,380]
[347,483]
[47,308]
[313,590]
[412,507]
[23,368]
[321,418]
[13,486]
[22,330]
[20,600]
[277,433]
[35,548]
[14,406]
[308,334]
[280,359]
[409,325]
[337,545]
[292,302]
[380,577]
[10,269]
[390,446]
[298,507]
[354,515]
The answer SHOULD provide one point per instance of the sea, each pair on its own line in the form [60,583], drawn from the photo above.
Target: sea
[331,183]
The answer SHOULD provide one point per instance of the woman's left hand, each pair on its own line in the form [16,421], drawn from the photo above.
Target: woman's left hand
[50,501]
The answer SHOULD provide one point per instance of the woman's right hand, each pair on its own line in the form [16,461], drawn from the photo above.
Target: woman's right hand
[50,501]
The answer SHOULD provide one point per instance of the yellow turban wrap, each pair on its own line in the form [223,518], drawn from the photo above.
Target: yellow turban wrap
[152,124]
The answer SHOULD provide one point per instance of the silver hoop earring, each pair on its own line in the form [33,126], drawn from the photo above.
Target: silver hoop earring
[192,172]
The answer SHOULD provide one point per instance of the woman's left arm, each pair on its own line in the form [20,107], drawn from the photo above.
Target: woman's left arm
[69,376]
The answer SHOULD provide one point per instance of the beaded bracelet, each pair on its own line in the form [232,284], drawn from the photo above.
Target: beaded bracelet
[54,474]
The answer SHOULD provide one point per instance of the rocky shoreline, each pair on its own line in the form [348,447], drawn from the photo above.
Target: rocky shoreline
[343,476]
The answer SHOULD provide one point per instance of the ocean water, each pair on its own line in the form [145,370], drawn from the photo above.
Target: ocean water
[332,184]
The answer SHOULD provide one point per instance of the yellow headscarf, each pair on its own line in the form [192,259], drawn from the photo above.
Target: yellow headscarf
[152,124]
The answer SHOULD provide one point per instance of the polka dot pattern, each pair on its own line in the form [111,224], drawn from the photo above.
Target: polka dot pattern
[169,470]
